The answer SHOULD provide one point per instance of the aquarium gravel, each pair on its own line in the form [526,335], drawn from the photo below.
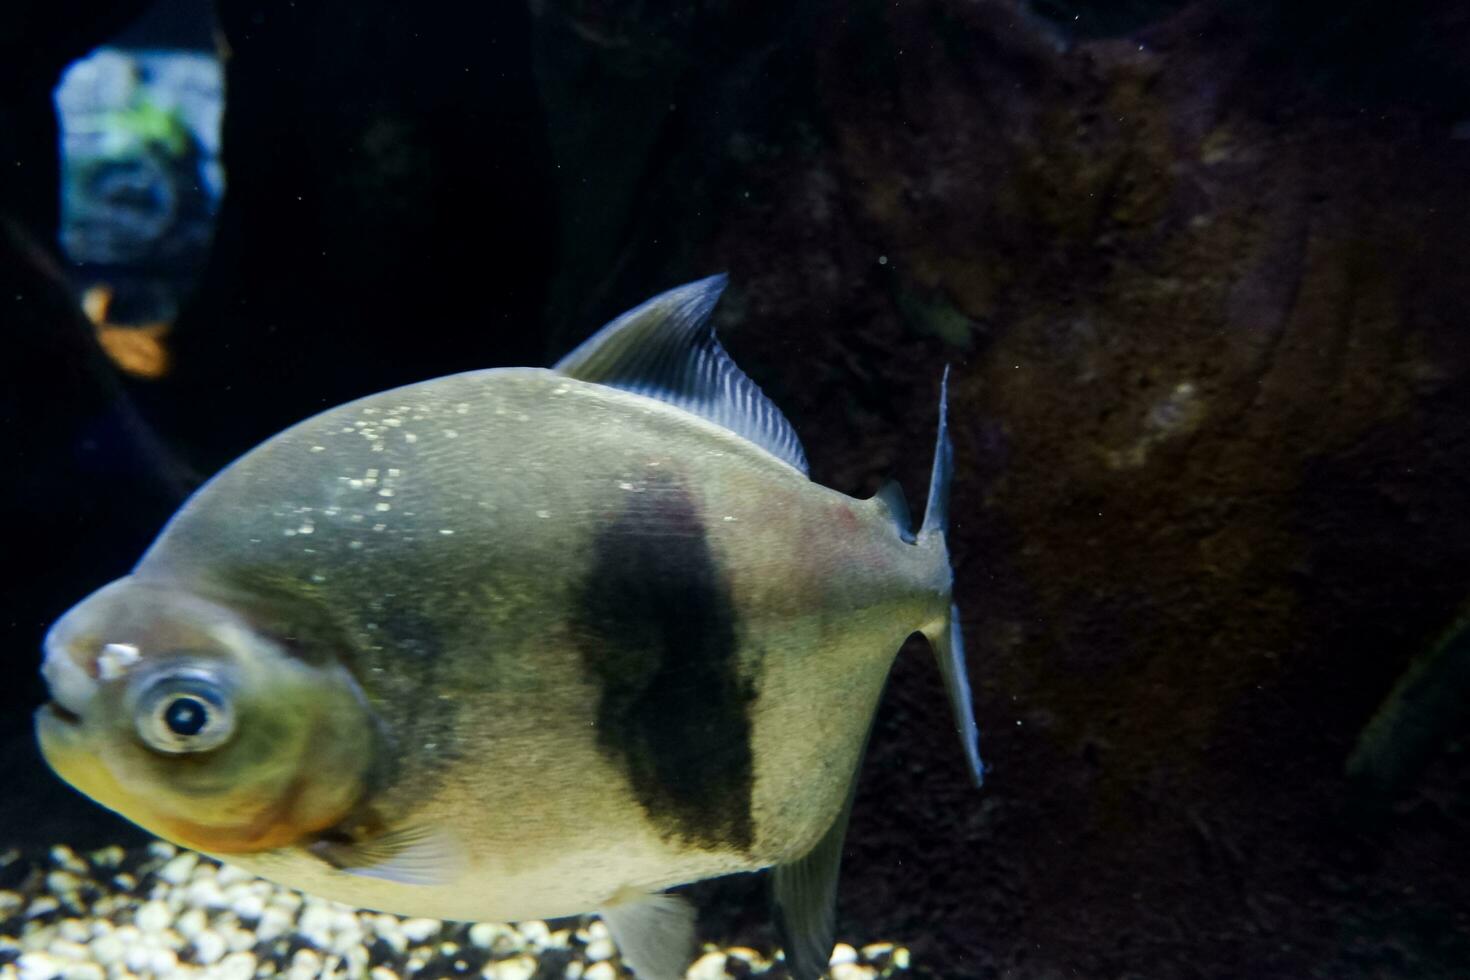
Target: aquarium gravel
[157,911]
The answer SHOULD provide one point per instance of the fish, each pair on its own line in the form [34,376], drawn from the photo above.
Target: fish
[140,350]
[519,643]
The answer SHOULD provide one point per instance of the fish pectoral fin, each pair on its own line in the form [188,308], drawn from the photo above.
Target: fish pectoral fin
[654,933]
[410,856]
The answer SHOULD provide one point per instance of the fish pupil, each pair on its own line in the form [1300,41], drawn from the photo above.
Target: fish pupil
[186,716]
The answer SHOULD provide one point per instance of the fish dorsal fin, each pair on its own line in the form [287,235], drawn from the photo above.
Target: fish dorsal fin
[667,349]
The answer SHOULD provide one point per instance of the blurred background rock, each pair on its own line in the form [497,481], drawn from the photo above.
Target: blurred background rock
[1202,269]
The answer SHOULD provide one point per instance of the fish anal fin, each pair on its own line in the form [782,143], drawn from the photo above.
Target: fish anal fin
[653,932]
[411,855]
[804,899]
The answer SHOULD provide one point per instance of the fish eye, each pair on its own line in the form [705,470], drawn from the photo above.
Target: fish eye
[184,714]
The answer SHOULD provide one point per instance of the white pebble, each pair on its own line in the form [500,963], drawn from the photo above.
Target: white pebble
[305,965]
[710,966]
[65,949]
[756,960]
[153,917]
[179,869]
[315,924]
[38,966]
[64,857]
[230,875]
[274,921]
[191,923]
[852,971]
[345,941]
[357,961]
[205,893]
[163,961]
[248,905]
[483,934]
[209,947]
[874,952]
[73,929]
[390,932]
[842,953]
[44,905]
[108,857]
[600,971]
[107,949]
[237,939]
[597,929]
[600,949]
[9,902]
[83,971]
[62,882]
[291,901]
[901,958]
[516,968]
[236,966]
[382,973]
[536,933]
[162,850]
[419,930]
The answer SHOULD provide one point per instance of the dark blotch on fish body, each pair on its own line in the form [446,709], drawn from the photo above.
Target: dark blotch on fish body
[654,620]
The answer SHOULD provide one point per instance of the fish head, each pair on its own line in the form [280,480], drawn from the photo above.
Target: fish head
[181,714]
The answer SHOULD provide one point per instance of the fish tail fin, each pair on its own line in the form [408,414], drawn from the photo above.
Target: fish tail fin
[944,635]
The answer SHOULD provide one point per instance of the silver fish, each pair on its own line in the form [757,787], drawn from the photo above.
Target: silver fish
[517,643]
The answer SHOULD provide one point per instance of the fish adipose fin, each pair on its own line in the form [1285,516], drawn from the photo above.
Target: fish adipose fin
[667,349]
[654,933]
[892,498]
[411,856]
[945,637]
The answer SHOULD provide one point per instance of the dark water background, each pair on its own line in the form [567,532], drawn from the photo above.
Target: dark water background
[1202,270]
